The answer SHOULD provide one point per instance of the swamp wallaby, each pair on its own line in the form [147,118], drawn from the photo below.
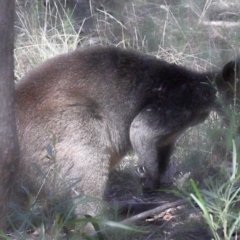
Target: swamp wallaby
[88,108]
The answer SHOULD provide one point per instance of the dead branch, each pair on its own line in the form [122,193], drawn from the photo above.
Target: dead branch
[220,23]
[154,211]
[143,215]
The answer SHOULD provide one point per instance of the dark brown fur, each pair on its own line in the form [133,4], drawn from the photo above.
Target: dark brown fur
[93,105]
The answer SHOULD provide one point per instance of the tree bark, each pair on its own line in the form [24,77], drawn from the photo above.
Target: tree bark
[9,153]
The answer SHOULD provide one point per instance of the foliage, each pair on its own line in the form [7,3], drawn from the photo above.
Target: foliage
[219,202]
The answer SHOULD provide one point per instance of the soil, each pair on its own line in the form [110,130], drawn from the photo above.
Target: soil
[179,222]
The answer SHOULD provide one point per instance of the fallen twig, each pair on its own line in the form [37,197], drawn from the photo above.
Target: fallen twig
[154,211]
[221,23]
[143,215]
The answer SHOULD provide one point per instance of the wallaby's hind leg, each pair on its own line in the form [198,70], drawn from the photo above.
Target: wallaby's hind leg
[81,161]
[86,167]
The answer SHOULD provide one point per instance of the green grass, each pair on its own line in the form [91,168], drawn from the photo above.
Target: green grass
[219,202]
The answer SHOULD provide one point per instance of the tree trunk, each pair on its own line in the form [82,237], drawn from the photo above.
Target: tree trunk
[9,154]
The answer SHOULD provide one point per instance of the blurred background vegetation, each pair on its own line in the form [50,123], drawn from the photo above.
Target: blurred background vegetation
[198,34]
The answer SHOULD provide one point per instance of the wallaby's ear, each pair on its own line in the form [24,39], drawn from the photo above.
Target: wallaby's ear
[231,71]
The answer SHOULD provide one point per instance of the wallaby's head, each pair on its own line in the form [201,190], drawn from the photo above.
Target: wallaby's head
[229,85]
[228,88]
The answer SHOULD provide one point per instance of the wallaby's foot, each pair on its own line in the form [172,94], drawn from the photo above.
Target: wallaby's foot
[148,183]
